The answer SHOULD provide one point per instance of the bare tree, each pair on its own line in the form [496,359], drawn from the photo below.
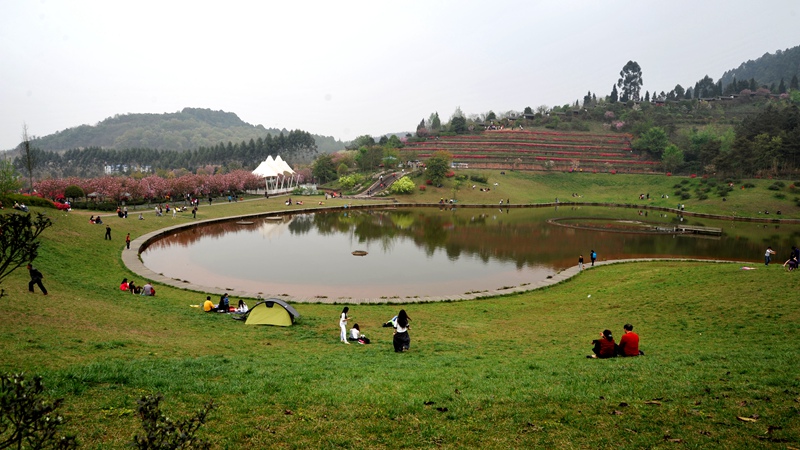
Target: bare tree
[29,155]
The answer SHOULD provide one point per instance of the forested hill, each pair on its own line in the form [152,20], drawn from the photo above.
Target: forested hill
[770,70]
[189,129]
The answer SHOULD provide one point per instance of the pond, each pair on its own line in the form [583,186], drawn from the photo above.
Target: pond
[420,252]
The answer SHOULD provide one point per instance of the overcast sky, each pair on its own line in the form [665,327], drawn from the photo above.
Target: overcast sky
[346,68]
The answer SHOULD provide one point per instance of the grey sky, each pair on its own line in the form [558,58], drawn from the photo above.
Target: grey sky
[347,68]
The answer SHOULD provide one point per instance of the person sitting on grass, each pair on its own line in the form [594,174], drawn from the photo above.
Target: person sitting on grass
[791,263]
[124,285]
[355,335]
[604,347]
[208,305]
[148,290]
[629,343]
[224,303]
[242,307]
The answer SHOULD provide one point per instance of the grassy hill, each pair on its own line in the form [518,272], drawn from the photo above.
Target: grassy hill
[187,129]
[507,372]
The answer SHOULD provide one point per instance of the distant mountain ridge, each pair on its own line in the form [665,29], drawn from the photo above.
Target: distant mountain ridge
[188,129]
[769,69]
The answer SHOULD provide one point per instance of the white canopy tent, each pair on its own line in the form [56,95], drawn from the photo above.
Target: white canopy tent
[280,178]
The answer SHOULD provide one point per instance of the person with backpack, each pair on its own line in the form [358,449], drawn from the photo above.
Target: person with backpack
[594,257]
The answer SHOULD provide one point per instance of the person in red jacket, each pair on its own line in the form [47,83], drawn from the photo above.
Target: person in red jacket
[604,347]
[629,344]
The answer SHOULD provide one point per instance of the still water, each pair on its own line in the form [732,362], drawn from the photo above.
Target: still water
[436,252]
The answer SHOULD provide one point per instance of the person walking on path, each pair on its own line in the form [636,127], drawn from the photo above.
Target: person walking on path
[194,212]
[768,255]
[36,279]
[343,325]
[593,255]
[128,241]
[108,233]
[580,262]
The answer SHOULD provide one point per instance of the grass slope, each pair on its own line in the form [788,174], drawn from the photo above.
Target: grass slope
[507,372]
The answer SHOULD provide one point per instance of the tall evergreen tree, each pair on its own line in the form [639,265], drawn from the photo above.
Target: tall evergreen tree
[614,96]
[436,123]
[630,81]
[782,87]
[793,84]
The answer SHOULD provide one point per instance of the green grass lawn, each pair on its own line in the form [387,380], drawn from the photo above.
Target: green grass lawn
[540,187]
[507,372]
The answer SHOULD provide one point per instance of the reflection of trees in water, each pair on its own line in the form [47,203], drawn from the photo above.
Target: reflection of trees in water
[301,223]
[523,236]
[194,234]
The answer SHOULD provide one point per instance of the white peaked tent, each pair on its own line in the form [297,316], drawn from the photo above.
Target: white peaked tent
[275,172]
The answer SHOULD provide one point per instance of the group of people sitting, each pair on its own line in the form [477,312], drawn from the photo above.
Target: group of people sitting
[21,207]
[605,347]
[224,305]
[130,286]
[96,220]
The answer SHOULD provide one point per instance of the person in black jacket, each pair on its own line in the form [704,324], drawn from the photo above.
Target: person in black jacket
[36,278]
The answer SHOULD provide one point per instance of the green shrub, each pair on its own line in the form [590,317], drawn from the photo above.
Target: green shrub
[348,182]
[780,184]
[702,196]
[27,419]
[479,178]
[161,432]
[780,195]
[686,196]
[773,187]
[73,192]
[97,206]
[749,185]
[28,200]
[402,186]
[684,181]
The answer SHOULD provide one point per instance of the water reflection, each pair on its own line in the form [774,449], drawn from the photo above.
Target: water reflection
[436,251]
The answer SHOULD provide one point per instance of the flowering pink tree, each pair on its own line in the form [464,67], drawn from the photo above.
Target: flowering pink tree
[303,174]
[154,187]
[186,184]
[215,184]
[106,187]
[51,188]
[132,188]
[252,182]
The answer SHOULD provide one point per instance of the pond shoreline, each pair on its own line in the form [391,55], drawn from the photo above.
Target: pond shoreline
[132,259]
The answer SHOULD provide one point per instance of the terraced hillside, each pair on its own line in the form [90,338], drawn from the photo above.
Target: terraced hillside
[537,150]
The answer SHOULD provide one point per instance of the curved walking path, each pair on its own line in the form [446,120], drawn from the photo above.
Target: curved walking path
[134,263]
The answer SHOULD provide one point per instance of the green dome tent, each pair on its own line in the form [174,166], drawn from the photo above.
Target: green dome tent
[271,311]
